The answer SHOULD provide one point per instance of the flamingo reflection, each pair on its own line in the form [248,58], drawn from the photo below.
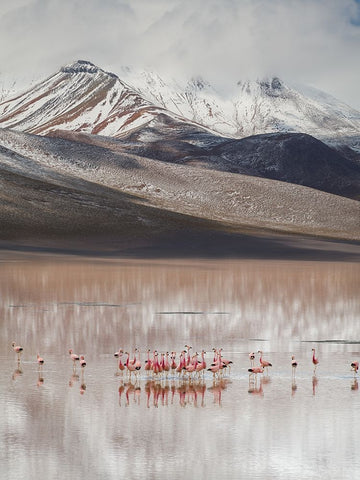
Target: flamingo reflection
[18,371]
[253,388]
[73,379]
[121,391]
[314,384]
[354,384]
[40,379]
[217,389]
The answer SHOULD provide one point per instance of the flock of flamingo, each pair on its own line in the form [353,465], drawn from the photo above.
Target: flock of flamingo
[188,365]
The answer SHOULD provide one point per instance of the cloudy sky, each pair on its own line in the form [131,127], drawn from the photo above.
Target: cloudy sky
[316,42]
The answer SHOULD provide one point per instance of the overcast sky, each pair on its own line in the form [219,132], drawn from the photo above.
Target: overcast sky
[316,42]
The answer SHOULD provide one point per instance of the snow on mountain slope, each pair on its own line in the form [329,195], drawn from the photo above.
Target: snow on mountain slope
[106,191]
[82,97]
[255,107]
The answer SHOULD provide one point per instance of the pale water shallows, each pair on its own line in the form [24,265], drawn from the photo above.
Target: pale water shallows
[100,424]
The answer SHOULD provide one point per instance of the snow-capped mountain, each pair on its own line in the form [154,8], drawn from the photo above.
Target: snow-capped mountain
[82,97]
[254,107]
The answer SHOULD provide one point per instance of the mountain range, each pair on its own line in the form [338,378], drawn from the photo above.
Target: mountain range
[86,154]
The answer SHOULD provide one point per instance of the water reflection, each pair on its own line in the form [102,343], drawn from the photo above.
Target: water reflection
[40,379]
[18,371]
[165,393]
[315,382]
[127,428]
[270,300]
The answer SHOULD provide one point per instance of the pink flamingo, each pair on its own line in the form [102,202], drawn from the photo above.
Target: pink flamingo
[225,362]
[117,354]
[182,362]
[137,363]
[166,364]
[191,367]
[252,358]
[314,360]
[129,365]
[256,370]
[293,365]
[74,357]
[82,361]
[217,366]
[121,365]
[355,367]
[17,349]
[201,366]
[156,367]
[148,362]
[264,363]
[173,364]
[40,360]
[188,360]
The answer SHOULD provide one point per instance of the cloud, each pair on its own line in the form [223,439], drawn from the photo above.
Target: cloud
[311,41]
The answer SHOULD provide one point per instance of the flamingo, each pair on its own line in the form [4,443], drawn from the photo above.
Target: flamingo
[117,354]
[264,363]
[82,361]
[129,365]
[191,367]
[201,365]
[137,363]
[252,358]
[225,362]
[156,367]
[121,365]
[256,370]
[148,362]
[293,365]
[17,349]
[173,362]
[355,367]
[165,363]
[74,357]
[182,361]
[217,366]
[188,360]
[40,360]
[314,360]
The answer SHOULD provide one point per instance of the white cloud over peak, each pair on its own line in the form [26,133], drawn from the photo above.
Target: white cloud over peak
[311,41]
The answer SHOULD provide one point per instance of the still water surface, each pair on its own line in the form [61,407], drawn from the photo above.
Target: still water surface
[100,425]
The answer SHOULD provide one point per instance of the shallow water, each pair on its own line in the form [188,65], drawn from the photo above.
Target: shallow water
[99,424]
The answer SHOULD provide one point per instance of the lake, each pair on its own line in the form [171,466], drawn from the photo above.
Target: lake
[99,424]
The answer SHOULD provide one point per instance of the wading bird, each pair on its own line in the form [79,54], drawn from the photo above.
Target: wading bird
[73,357]
[40,360]
[355,367]
[252,358]
[314,360]
[17,349]
[264,363]
[293,365]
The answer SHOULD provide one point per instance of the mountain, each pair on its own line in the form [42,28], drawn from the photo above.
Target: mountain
[58,190]
[80,97]
[83,97]
[87,156]
[254,107]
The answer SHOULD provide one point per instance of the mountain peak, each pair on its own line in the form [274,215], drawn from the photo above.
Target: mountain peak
[83,66]
[80,66]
